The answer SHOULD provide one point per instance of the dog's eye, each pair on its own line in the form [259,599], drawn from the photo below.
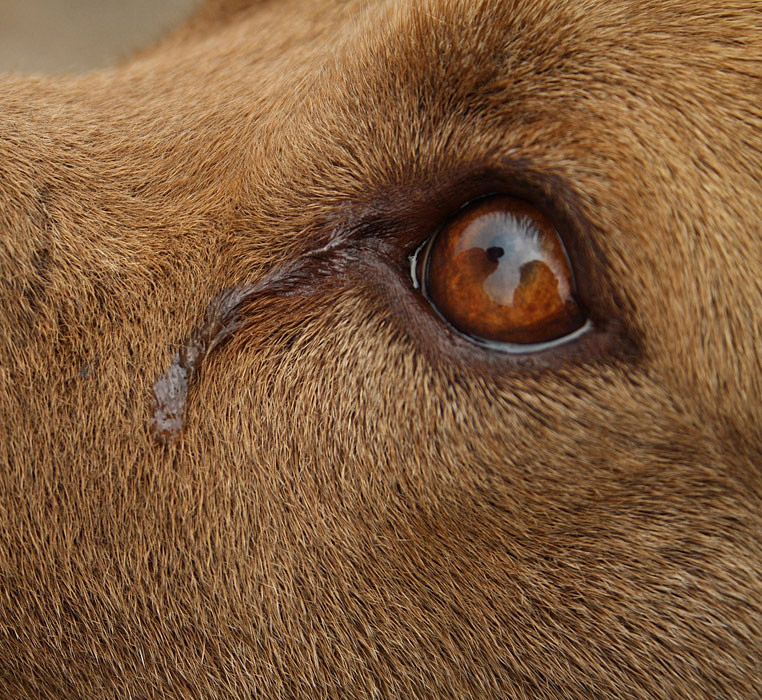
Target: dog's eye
[499,273]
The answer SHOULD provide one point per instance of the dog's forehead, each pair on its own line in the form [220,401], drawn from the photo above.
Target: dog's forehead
[587,92]
[641,112]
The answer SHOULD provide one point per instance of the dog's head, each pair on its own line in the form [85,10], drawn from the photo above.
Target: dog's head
[390,349]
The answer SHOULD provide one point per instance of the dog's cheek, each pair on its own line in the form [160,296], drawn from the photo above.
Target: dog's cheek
[335,374]
[340,459]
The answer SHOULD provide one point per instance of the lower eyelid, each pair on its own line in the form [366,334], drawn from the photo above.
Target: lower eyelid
[530,348]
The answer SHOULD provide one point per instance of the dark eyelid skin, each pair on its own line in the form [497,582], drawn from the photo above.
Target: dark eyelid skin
[370,242]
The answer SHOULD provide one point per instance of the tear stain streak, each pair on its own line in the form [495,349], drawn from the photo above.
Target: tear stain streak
[171,389]
[223,318]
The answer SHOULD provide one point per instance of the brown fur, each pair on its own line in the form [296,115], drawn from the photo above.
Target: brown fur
[361,503]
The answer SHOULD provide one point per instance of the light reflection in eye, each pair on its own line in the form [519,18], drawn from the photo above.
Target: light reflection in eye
[499,273]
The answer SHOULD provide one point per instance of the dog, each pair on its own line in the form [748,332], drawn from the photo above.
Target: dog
[387,350]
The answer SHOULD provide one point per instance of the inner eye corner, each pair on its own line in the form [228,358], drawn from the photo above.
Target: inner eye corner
[416,262]
[498,272]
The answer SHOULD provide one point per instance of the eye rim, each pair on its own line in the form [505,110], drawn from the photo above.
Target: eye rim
[420,260]
[389,224]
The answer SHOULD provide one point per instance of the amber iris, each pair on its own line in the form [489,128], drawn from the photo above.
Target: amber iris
[499,272]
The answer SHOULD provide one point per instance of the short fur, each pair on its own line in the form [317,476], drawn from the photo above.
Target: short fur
[359,503]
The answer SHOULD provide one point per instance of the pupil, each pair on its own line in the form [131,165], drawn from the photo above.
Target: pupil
[495,253]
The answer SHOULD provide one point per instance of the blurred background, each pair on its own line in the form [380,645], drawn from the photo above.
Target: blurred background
[64,36]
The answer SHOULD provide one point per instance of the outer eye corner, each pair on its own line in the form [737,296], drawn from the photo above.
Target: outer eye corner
[499,274]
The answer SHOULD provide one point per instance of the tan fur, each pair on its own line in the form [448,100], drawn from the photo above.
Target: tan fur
[360,503]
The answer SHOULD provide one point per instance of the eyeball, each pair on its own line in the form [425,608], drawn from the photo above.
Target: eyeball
[498,273]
